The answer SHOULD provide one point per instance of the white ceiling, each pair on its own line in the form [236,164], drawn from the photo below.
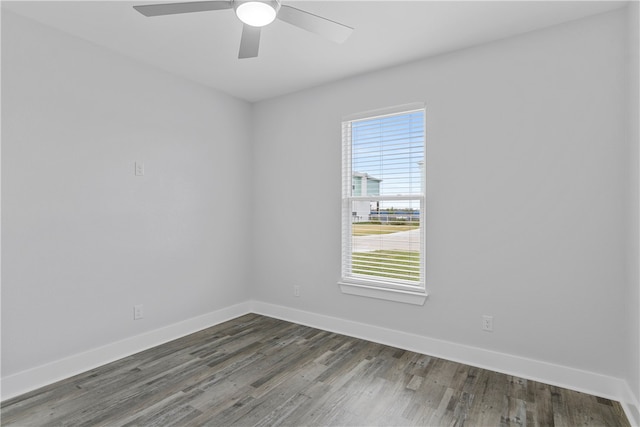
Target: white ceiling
[203,46]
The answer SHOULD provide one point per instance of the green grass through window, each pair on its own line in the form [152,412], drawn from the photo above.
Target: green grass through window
[367,229]
[389,264]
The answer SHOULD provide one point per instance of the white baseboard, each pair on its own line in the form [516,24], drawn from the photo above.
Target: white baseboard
[633,413]
[632,407]
[561,376]
[31,379]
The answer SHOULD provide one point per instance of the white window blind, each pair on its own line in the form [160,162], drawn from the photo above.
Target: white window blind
[383,203]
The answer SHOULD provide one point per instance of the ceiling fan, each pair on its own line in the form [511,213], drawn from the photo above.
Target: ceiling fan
[255,14]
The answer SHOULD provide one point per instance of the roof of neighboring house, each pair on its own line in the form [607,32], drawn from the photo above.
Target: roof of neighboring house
[369,177]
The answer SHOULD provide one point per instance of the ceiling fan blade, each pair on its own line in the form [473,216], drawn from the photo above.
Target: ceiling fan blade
[316,24]
[250,42]
[174,8]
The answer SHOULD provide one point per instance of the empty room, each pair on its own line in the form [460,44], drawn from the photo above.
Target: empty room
[320,213]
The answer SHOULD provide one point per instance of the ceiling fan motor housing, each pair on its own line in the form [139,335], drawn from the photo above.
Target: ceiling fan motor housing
[256,13]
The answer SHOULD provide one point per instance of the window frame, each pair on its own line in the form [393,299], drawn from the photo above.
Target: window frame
[392,290]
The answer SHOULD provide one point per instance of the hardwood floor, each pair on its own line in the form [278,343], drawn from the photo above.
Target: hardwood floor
[259,371]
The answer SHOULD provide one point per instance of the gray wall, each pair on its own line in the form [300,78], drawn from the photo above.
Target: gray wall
[633,298]
[84,239]
[527,195]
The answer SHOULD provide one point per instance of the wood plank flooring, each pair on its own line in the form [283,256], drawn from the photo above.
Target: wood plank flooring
[259,371]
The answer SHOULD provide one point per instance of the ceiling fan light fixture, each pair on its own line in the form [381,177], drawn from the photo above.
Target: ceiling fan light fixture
[257,13]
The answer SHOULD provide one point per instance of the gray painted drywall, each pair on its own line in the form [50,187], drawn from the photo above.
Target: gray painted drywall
[83,238]
[633,298]
[527,193]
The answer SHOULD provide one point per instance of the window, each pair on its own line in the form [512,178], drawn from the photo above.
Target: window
[383,204]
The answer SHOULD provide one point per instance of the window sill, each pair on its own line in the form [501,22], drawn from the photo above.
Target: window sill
[407,297]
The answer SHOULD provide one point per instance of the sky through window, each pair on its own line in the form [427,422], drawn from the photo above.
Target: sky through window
[391,148]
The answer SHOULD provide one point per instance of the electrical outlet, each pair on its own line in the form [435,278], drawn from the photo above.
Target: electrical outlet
[139,168]
[296,291]
[138,312]
[487,323]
